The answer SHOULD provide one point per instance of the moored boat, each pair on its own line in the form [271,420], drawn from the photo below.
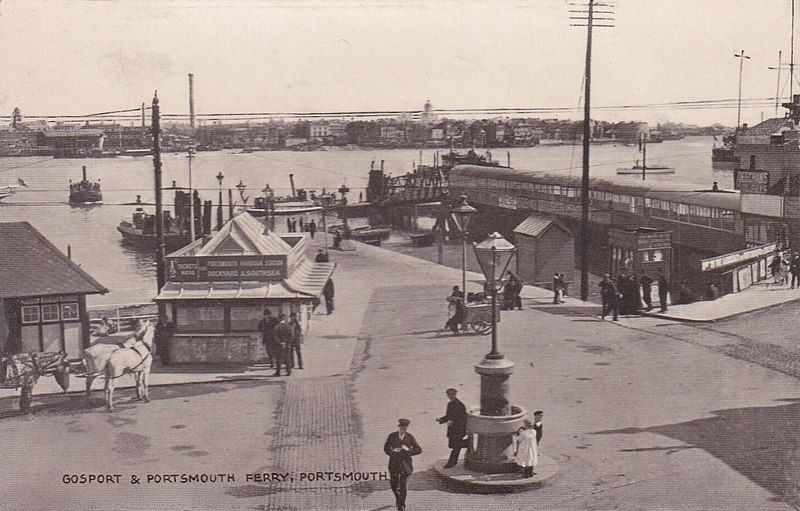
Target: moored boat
[141,231]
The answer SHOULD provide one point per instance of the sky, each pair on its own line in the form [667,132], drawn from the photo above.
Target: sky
[80,57]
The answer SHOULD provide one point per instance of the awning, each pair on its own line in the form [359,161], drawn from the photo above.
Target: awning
[310,277]
[306,283]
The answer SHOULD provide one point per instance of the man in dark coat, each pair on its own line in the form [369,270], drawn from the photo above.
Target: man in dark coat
[162,334]
[663,289]
[647,286]
[283,343]
[794,268]
[400,446]
[456,420]
[327,292]
[538,415]
[267,328]
[295,345]
[312,228]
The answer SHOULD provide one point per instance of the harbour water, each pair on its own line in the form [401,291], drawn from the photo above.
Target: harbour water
[130,273]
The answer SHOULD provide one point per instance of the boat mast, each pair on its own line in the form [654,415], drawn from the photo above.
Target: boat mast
[791,59]
[644,153]
[778,85]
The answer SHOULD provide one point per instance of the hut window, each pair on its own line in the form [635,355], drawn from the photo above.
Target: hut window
[50,312]
[30,314]
[69,311]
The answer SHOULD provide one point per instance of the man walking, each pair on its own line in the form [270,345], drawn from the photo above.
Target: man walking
[400,446]
[283,339]
[647,286]
[312,228]
[663,290]
[794,268]
[296,340]
[456,420]
[327,292]
[267,328]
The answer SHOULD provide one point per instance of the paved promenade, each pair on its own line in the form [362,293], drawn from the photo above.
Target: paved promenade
[639,414]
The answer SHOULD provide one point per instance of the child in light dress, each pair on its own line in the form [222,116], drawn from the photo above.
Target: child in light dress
[526,453]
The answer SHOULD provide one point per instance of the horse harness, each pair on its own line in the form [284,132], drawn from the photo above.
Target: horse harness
[144,358]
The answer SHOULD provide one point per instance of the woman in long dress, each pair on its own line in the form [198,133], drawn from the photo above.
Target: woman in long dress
[526,454]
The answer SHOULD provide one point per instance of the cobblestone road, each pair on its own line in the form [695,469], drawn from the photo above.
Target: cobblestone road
[316,430]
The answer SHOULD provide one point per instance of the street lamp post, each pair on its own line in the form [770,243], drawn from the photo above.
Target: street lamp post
[269,196]
[496,421]
[463,215]
[220,177]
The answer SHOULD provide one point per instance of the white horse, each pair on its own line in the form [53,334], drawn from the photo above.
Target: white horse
[133,356]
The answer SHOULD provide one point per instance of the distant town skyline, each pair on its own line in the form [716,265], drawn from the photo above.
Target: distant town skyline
[76,58]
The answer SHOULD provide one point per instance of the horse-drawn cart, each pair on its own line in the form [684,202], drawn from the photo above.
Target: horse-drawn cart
[23,370]
[478,317]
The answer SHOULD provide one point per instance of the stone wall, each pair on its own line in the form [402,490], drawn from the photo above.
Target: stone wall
[222,349]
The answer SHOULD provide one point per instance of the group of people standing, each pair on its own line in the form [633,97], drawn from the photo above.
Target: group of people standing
[401,445]
[625,295]
[782,266]
[282,340]
[309,227]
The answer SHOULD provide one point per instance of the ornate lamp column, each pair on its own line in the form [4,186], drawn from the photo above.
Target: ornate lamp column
[497,420]
[269,204]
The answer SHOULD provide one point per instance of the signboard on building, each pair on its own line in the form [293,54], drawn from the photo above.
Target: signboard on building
[227,269]
[737,257]
[752,181]
[764,205]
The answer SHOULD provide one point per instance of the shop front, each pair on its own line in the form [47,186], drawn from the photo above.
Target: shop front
[219,288]
[42,295]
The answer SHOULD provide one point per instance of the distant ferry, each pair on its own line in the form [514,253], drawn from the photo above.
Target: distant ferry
[723,157]
[284,208]
[141,231]
[137,152]
[85,192]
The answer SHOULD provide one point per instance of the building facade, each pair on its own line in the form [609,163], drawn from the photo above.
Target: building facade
[219,287]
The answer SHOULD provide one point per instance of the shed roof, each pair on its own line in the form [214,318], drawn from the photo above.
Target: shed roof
[241,235]
[32,266]
[536,225]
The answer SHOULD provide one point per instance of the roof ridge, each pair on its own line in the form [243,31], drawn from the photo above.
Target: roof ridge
[100,288]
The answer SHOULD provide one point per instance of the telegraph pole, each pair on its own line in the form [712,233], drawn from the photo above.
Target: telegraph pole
[160,256]
[191,156]
[590,20]
[741,56]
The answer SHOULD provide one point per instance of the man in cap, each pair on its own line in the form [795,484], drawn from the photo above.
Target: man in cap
[283,339]
[400,446]
[456,420]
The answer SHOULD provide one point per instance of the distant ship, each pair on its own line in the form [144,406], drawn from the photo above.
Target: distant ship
[722,158]
[85,192]
[140,231]
[643,169]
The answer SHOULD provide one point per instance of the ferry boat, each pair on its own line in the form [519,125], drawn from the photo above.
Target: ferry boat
[141,231]
[85,192]
[723,158]
[643,169]
[284,207]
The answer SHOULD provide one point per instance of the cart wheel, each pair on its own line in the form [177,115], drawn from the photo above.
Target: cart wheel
[482,327]
[25,398]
